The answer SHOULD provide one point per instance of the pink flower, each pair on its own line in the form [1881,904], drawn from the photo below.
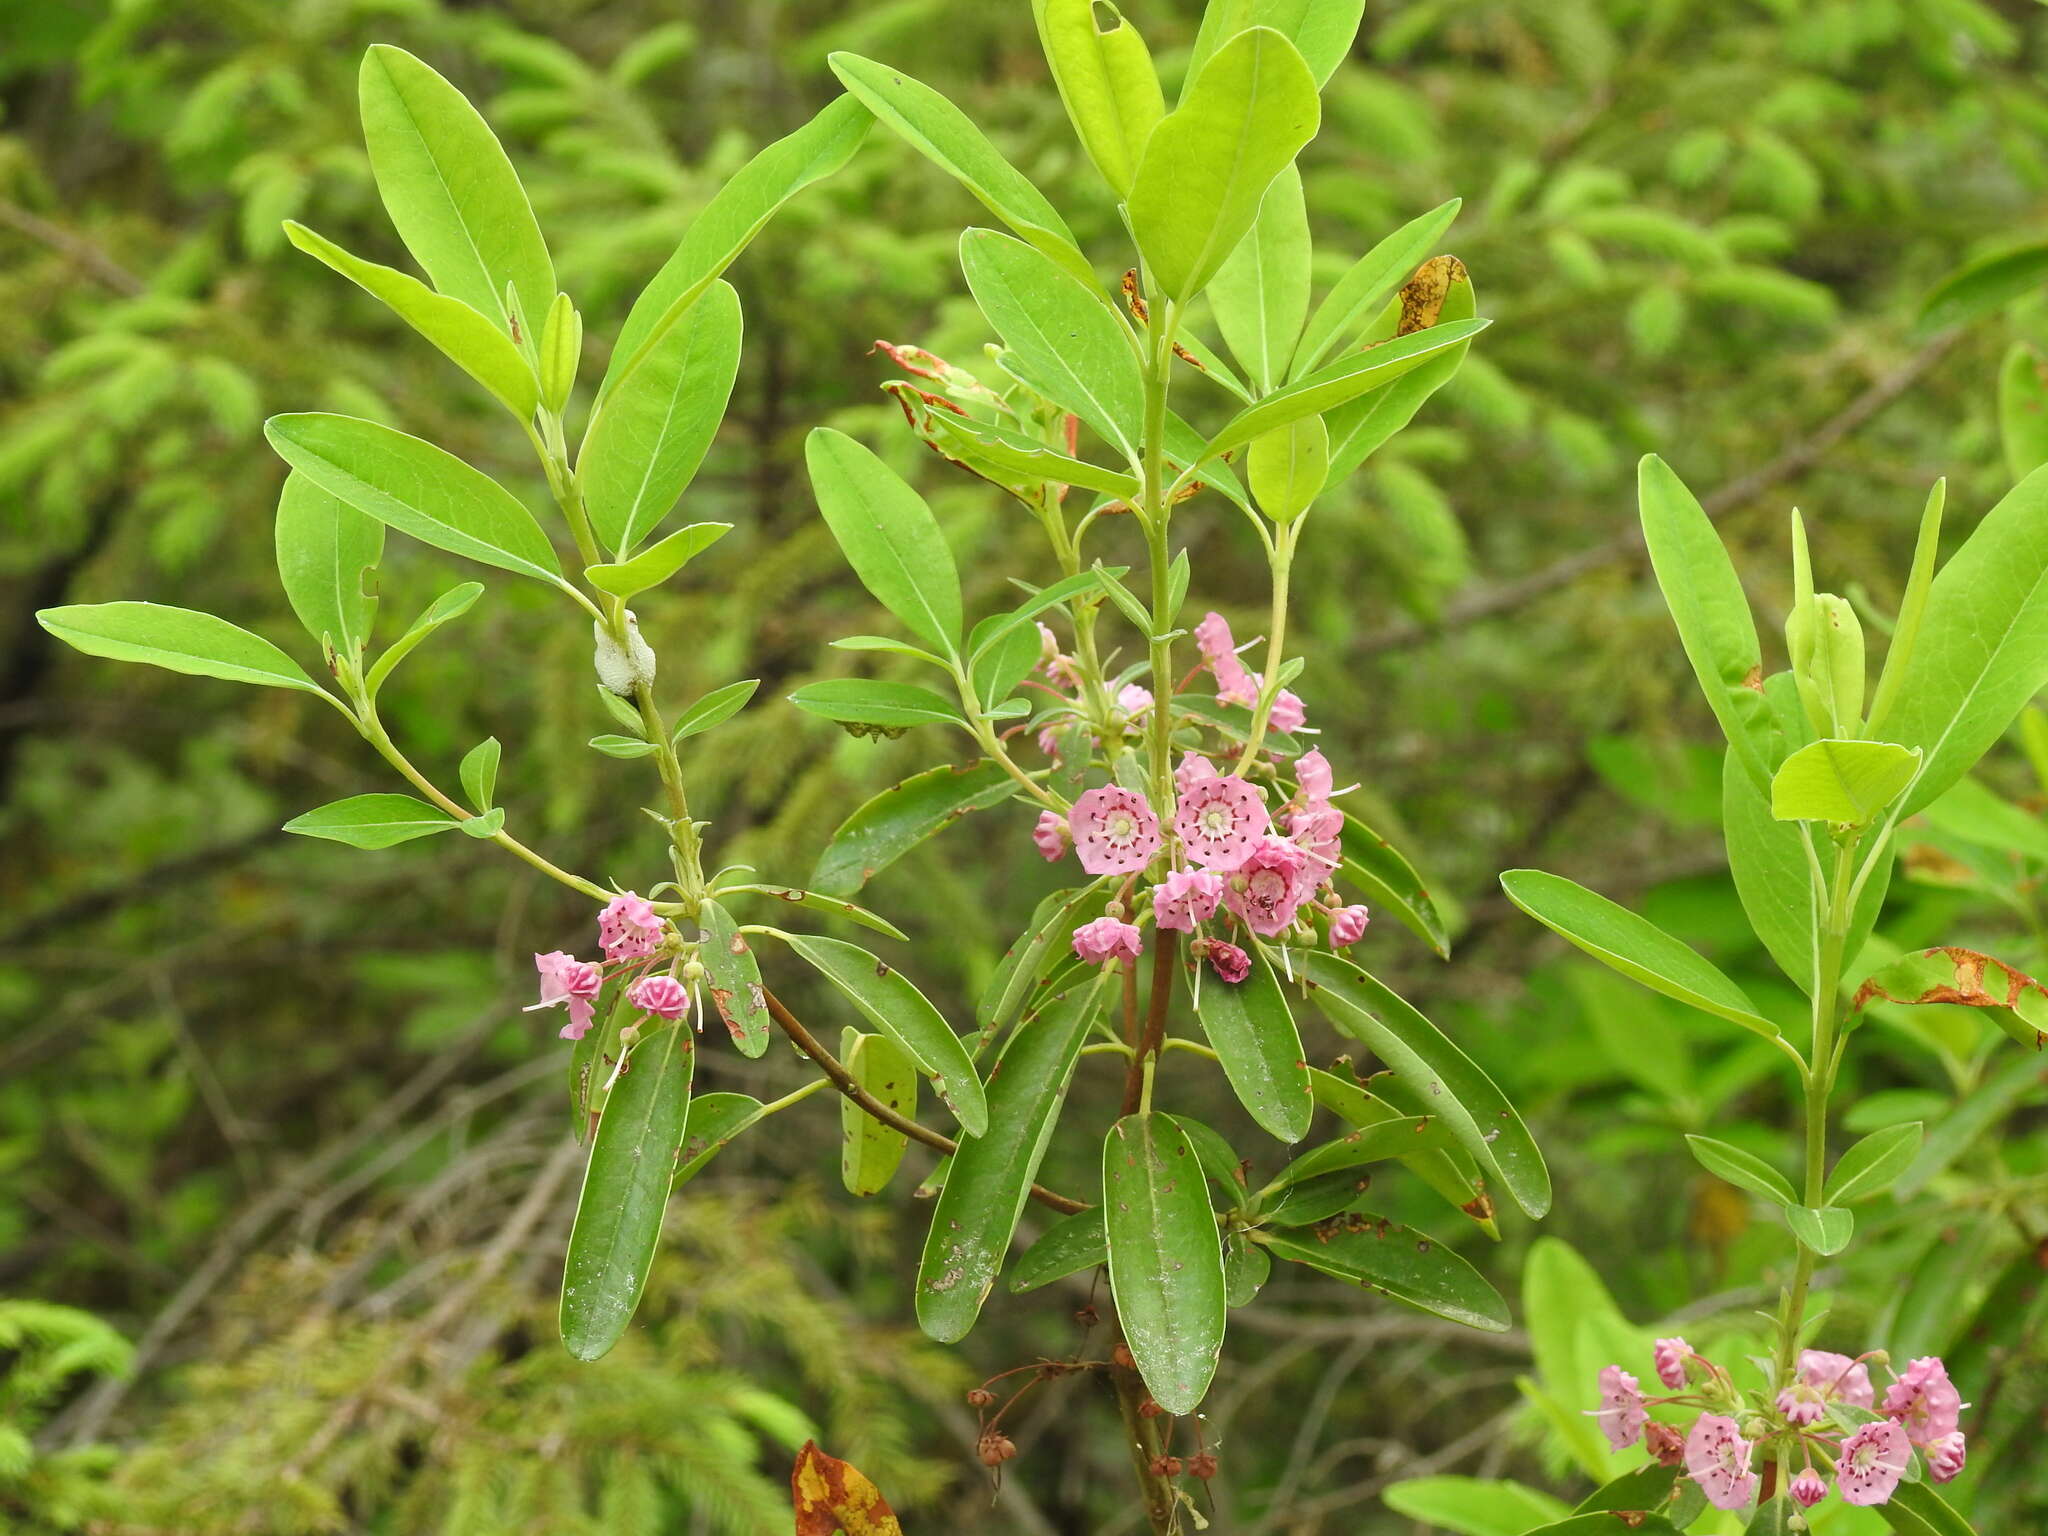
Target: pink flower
[1192,770]
[1872,1461]
[1807,1489]
[1717,1458]
[1049,742]
[1228,961]
[1621,1412]
[1347,926]
[1106,938]
[1184,898]
[1288,713]
[628,928]
[1219,820]
[662,996]
[1115,831]
[1801,1403]
[1670,1358]
[565,979]
[1946,1456]
[1234,685]
[1133,700]
[1838,1377]
[1050,835]
[1925,1401]
[1267,888]
[1312,773]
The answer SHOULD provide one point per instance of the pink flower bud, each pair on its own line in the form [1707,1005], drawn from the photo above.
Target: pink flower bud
[1133,700]
[1946,1456]
[1807,1489]
[1670,1358]
[662,996]
[1289,714]
[1229,962]
[1050,835]
[1347,926]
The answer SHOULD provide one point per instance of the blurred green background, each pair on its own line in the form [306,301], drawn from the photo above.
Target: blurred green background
[282,1198]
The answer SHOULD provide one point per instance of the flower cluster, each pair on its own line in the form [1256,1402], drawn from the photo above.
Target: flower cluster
[632,935]
[1826,1418]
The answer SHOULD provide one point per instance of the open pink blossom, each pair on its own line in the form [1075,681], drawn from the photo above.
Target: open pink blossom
[1234,684]
[1872,1462]
[1717,1458]
[628,928]
[1050,835]
[1269,886]
[1228,961]
[662,996]
[1347,926]
[1925,1401]
[1219,820]
[1807,1489]
[1106,938]
[565,979]
[1133,700]
[1192,770]
[1946,1456]
[1670,1357]
[1186,897]
[1288,713]
[1839,1378]
[1318,828]
[1115,830]
[1312,773]
[1621,1412]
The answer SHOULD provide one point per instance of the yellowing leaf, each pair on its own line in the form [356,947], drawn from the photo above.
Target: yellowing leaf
[833,1497]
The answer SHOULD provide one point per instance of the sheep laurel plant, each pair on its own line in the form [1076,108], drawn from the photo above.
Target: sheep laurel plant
[1207,830]
[1820,769]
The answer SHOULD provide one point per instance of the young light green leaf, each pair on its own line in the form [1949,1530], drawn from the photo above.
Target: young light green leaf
[1209,162]
[1064,339]
[1287,466]
[896,1008]
[1826,1231]
[984,444]
[1396,1261]
[1363,291]
[1869,1167]
[1165,1257]
[859,701]
[622,746]
[179,639]
[450,190]
[327,554]
[994,628]
[1743,1169]
[1105,78]
[644,447]
[452,604]
[1068,1246]
[717,706]
[633,1160]
[417,488]
[372,821]
[888,536]
[1322,29]
[1260,293]
[1382,873]
[1915,1509]
[992,1172]
[1846,782]
[1632,945]
[1475,1506]
[1912,609]
[470,340]
[1254,1035]
[657,563]
[561,352]
[870,1152]
[479,772]
[484,827]
[902,816]
[735,979]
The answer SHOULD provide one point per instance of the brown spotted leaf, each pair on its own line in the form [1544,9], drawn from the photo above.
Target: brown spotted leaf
[1967,979]
[834,1498]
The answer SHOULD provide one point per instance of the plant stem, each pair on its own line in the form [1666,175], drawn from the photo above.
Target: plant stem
[1276,644]
[1140,1435]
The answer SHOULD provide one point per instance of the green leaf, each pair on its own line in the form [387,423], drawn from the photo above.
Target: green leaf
[372,821]
[486,826]
[1912,609]
[1849,782]
[1982,652]
[941,132]
[1012,453]
[1286,468]
[1918,1502]
[716,707]
[999,670]
[1483,1121]
[327,554]
[479,772]
[2023,410]
[1382,874]
[1603,1524]
[859,701]
[1363,291]
[1396,1261]
[450,190]
[418,489]
[1473,1506]
[1246,1268]
[1826,1231]
[714,1121]
[896,1008]
[644,447]
[633,1159]
[1869,1167]
[1322,29]
[902,816]
[818,901]
[1068,1246]
[1743,1169]
[1360,428]
[1451,1177]
[1065,342]
[869,1151]
[1345,379]
[1165,1257]
[176,638]
[992,1171]
[1400,1137]
[656,564]
[1105,78]
[1632,945]
[1644,1488]
[1260,293]
[1984,286]
[728,223]
[1209,162]
[1710,609]
[735,979]
[621,746]
[468,339]
[452,604]
[888,536]
[1254,1036]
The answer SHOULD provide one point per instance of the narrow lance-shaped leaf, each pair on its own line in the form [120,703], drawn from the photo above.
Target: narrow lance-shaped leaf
[1260,293]
[1017,459]
[1105,78]
[1068,1246]
[1913,605]
[1395,1261]
[870,1151]
[888,536]
[1743,1169]
[179,639]
[1165,1257]
[372,821]
[901,817]
[1254,1035]
[327,553]
[891,706]
[1383,874]
[1033,955]
[716,707]
[734,978]
[1869,1167]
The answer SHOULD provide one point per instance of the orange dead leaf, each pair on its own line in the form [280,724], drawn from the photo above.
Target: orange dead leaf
[1422,296]
[833,1498]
